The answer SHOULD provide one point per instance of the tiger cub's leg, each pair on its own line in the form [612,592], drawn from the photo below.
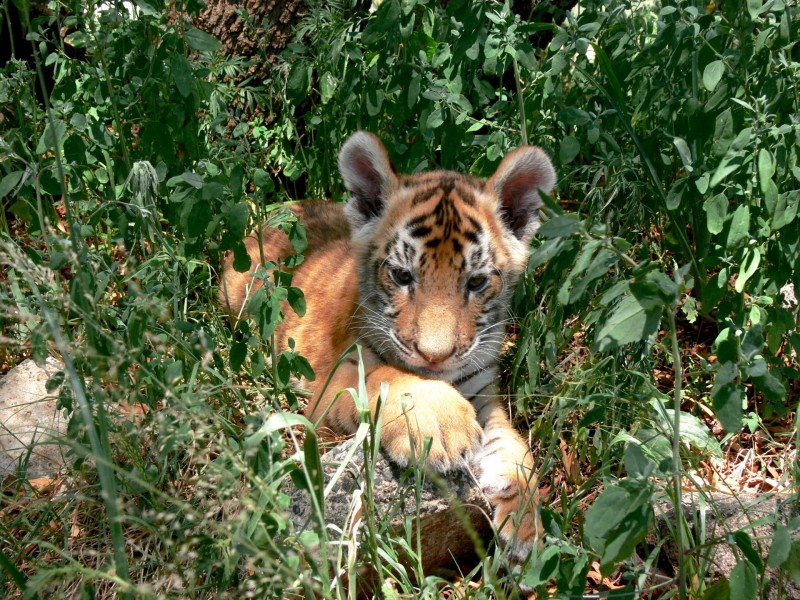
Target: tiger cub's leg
[507,477]
[423,408]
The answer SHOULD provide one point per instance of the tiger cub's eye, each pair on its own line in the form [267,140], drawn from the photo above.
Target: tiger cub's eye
[401,277]
[477,282]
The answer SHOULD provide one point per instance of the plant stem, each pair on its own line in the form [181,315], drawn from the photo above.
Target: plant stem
[676,452]
[524,123]
[120,131]
[98,437]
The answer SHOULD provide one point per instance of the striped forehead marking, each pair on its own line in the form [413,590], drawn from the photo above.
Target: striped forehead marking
[444,222]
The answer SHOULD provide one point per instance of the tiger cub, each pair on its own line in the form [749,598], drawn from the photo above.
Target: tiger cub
[419,270]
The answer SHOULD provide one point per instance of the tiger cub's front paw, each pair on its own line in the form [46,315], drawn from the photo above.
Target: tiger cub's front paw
[431,409]
[511,491]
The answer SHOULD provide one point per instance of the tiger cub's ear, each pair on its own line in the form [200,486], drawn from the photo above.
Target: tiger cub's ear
[368,175]
[517,181]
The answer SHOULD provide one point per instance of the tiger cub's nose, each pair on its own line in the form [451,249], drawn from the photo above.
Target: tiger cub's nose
[434,353]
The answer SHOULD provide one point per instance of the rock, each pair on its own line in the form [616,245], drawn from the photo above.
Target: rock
[29,421]
[789,298]
[443,509]
[725,513]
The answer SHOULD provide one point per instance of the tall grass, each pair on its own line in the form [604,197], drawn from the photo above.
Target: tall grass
[122,192]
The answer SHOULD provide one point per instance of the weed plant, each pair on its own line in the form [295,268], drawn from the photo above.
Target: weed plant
[654,329]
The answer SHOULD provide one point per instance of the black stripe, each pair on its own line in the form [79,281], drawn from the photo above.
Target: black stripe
[466,195]
[417,221]
[467,377]
[472,236]
[420,232]
[388,247]
[422,196]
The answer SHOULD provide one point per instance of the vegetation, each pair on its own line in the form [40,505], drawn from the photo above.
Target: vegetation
[657,299]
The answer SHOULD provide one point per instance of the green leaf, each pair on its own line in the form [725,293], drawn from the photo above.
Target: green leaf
[727,373]
[684,152]
[766,168]
[750,262]
[716,209]
[743,542]
[51,136]
[731,163]
[297,82]
[560,226]
[719,591]
[723,133]
[618,519]
[728,399]
[193,179]
[374,101]
[241,259]
[712,74]
[608,70]
[435,119]
[199,218]
[573,116]
[303,367]
[384,20]
[675,193]
[771,196]
[201,41]
[637,463]
[238,355]
[491,50]
[212,190]
[784,210]
[237,216]
[693,431]
[590,271]
[182,74]
[413,90]
[744,581]
[781,546]
[9,182]
[275,422]
[543,568]
[689,309]
[792,564]
[653,289]
[740,227]
[627,322]
[769,385]
[327,86]
[298,237]
[701,183]
[570,148]
[441,56]
[754,7]
[262,179]
[316,476]
[297,300]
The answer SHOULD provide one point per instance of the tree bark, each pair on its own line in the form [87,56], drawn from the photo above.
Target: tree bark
[268,25]
[264,30]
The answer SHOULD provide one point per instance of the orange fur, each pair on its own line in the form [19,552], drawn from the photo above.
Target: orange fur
[418,269]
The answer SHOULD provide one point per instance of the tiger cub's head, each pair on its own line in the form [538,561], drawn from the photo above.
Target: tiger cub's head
[438,254]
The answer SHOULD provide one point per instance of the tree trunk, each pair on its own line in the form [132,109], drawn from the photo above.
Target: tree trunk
[267,26]
[264,30]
